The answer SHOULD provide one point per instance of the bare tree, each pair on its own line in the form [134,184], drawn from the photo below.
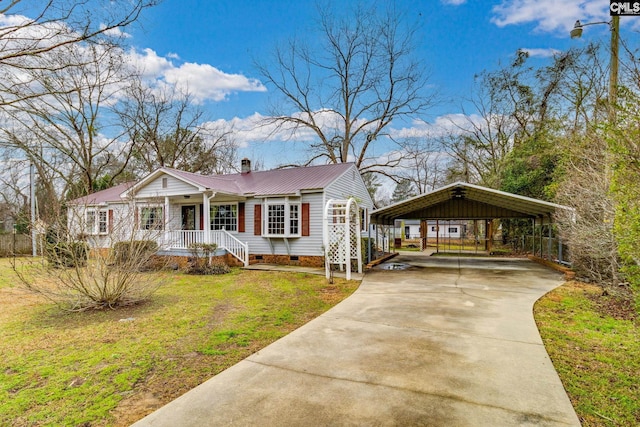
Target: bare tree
[515,105]
[69,134]
[481,144]
[30,28]
[347,91]
[424,164]
[166,129]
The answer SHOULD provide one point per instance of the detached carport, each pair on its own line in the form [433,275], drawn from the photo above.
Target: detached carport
[466,201]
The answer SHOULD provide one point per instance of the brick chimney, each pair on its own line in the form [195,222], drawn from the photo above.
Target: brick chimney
[245,165]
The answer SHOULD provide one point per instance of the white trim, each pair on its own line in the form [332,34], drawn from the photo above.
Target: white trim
[287,203]
[140,207]
[95,231]
[225,204]
[155,174]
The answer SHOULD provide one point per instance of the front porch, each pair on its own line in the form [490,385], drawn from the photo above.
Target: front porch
[184,240]
[185,218]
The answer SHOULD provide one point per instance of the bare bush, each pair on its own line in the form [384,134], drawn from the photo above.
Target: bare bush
[588,230]
[83,269]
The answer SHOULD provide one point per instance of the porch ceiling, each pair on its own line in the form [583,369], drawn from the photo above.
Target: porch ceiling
[461,200]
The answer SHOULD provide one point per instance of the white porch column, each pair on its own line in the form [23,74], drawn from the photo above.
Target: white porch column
[166,220]
[206,212]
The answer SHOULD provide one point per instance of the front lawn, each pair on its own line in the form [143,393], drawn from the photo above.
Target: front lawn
[593,340]
[112,367]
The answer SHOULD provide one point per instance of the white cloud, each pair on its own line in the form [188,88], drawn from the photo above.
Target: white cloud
[13,20]
[115,32]
[541,53]
[441,126]
[202,81]
[453,2]
[255,128]
[207,82]
[258,128]
[550,15]
[151,65]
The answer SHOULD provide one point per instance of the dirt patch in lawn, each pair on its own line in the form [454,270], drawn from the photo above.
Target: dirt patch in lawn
[615,302]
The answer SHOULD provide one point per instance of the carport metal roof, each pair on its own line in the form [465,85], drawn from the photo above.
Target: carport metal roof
[461,200]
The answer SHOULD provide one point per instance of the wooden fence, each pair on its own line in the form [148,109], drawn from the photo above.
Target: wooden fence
[20,244]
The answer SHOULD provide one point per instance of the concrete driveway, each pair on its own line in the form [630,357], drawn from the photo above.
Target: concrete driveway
[445,342]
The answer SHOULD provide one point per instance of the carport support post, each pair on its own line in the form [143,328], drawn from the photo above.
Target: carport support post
[437,237]
[533,236]
[541,237]
[549,242]
[560,260]
[369,244]
[393,238]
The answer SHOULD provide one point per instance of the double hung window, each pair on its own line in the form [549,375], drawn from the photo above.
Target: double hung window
[151,218]
[282,218]
[97,221]
[224,217]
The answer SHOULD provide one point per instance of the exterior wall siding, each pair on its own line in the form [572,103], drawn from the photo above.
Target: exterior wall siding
[119,229]
[350,184]
[174,186]
[299,246]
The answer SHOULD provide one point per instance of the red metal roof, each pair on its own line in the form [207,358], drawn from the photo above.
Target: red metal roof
[289,181]
[254,183]
[109,195]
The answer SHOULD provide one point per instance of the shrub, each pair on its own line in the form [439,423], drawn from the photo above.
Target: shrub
[94,283]
[202,263]
[67,254]
[124,252]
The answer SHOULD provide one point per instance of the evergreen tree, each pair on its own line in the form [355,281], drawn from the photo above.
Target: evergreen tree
[404,190]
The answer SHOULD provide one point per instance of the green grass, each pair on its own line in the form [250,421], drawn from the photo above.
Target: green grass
[112,367]
[594,342]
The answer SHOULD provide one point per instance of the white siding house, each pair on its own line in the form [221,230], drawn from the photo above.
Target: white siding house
[257,216]
[445,229]
[410,228]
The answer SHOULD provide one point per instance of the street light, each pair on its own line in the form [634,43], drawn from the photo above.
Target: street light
[613,73]
[576,33]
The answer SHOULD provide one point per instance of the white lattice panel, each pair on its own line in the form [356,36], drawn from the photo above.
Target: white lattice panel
[342,235]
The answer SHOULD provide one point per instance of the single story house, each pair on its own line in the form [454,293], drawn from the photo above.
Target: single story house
[273,216]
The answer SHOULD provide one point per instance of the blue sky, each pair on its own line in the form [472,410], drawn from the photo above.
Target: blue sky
[209,46]
[205,42]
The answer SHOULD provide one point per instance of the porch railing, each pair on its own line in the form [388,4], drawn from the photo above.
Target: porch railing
[184,239]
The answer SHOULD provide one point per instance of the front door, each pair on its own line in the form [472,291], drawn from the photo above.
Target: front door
[189,217]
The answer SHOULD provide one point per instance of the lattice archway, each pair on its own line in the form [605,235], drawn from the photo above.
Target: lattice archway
[342,236]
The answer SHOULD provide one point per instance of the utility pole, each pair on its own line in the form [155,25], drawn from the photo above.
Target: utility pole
[614,26]
[32,193]
[613,72]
